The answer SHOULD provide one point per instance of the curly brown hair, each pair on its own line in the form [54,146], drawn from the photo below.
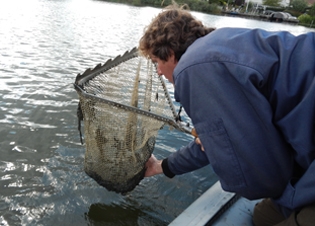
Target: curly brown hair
[172,31]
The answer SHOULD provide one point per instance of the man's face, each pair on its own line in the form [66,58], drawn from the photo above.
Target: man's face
[165,68]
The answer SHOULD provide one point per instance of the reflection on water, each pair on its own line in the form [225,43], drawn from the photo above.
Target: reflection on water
[44,45]
[118,215]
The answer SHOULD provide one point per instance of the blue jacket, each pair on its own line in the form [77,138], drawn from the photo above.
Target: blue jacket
[251,97]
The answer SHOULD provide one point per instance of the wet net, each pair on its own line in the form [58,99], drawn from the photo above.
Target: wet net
[123,105]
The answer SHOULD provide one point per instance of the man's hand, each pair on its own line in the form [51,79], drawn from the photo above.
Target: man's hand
[153,167]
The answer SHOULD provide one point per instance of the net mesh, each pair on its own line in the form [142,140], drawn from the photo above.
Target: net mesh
[119,140]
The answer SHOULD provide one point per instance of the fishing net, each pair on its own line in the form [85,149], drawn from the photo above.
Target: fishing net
[123,105]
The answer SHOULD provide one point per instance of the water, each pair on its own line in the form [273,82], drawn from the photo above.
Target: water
[43,46]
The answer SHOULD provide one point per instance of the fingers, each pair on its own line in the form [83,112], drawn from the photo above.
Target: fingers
[197,140]
[153,166]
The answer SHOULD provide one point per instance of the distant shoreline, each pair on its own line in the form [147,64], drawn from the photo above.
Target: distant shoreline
[255,16]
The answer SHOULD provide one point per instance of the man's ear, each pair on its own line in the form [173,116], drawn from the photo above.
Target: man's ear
[172,57]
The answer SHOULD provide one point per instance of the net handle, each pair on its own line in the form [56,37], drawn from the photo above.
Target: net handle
[170,122]
[170,102]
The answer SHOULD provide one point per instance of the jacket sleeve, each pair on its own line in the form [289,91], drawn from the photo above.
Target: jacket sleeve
[186,159]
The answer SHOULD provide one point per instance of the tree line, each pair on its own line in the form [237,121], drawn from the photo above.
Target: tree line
[211,6]
[299,8]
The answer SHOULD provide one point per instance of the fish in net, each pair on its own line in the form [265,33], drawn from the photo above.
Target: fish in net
[123,104]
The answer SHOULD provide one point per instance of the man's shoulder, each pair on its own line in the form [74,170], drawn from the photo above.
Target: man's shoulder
[220,44]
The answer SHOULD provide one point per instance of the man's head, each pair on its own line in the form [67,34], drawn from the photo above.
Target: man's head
[171,33]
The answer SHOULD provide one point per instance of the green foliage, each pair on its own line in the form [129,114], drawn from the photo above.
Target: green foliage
[275,8]
[137,2]
[292,12]
[306,19]
[299,5]
[210,6]
[271,2]
[311,12]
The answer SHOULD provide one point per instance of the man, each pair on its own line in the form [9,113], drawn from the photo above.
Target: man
[251,97]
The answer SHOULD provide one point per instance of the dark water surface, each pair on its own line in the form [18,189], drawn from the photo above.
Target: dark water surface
[43,46]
